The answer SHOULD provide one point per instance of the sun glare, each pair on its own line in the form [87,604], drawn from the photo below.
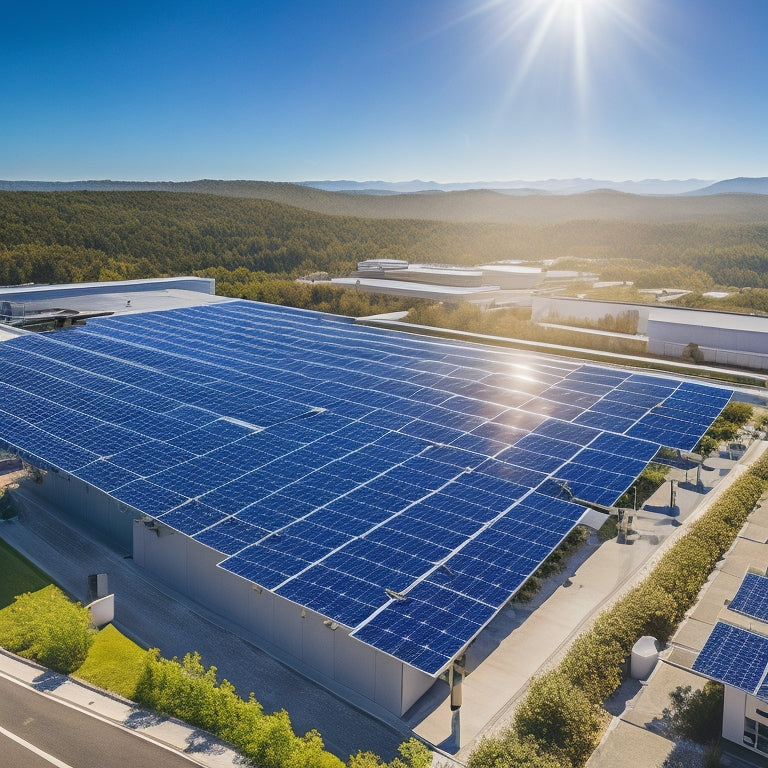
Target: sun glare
[564,40]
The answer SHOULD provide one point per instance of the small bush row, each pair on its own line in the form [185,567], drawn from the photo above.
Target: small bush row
[559,721]
[187,690]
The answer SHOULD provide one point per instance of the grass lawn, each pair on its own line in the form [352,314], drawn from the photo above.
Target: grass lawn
[114,662]
[19,575]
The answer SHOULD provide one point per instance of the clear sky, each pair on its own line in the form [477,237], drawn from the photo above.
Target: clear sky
[450,90]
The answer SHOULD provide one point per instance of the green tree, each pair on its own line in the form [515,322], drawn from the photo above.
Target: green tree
[723,430]
[48,627]
[413,754]
[696,715]
[707,446]
[737,413]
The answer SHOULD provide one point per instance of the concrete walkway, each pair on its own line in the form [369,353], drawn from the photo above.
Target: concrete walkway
[158,618]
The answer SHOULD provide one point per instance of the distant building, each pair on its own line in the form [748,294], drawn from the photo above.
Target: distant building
[505,283]
[724,338]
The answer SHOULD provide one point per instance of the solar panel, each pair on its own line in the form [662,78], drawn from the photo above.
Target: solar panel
[752,597]
[338,464]
[736,657]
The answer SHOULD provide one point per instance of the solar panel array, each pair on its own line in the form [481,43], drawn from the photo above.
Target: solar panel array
[752,597]
[403,486]
[736,657]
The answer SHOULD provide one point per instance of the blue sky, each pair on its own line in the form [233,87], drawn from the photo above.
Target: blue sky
[450,90]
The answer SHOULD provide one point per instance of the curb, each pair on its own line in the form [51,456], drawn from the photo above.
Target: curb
[225,754]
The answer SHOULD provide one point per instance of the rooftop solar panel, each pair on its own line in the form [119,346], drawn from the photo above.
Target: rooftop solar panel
[736,657]
[331,462]
[752,597]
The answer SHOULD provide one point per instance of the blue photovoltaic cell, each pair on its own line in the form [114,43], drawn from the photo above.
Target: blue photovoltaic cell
[752,597]
[734,656]
[333,462]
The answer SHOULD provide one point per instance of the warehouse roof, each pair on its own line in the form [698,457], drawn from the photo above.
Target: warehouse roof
[402,486]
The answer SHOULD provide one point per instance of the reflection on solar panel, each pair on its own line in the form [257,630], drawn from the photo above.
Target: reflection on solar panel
[736,657]
[752,597]
[402,486]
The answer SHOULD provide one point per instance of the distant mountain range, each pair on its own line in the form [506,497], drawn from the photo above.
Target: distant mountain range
[519,187]
[741,186]
[737,186]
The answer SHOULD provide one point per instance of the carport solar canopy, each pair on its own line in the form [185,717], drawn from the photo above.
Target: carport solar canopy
[400,485]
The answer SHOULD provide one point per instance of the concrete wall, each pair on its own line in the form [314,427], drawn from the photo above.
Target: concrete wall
[724,346]
[730,357]
[301,635]
[106,518]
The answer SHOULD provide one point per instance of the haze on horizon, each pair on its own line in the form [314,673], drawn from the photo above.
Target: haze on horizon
[445,90]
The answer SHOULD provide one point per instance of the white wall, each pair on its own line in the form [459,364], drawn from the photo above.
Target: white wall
[733,715]
[544,307]
[660,346]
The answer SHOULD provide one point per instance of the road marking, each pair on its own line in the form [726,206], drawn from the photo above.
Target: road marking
[32,748]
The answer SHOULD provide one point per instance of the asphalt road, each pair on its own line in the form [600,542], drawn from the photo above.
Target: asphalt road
[37,731]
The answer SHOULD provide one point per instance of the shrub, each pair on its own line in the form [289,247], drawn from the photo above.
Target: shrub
[737,413]
[413,754]
[49,628]
[558,716]
[723,430]
[511,751]
[593,665]
[608,530]
[187,690]
[707,446]
[693,354]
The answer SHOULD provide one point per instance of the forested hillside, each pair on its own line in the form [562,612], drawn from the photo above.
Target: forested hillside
[474,205]
[70,236]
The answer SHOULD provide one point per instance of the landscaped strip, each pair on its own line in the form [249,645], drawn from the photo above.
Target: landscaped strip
[47,627]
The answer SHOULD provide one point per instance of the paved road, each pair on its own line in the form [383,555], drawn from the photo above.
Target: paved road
[37,731]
